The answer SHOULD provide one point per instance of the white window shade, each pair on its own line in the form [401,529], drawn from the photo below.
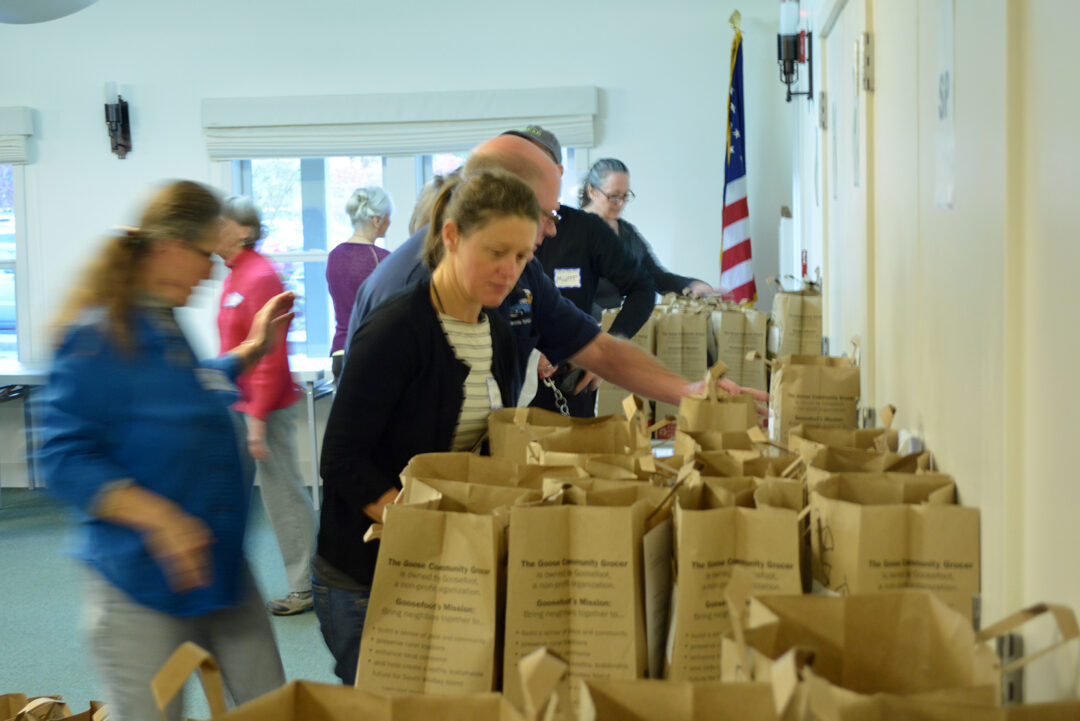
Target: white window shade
[391,124]
[16,127]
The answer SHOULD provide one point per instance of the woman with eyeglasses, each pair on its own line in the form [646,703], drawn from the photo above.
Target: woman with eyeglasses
[138,437]
[605,192]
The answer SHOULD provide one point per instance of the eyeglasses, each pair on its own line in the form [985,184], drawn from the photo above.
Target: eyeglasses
[616,198]
[555,217]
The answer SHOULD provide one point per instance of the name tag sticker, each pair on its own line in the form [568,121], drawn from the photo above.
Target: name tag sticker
[494,396]
[233,299]
[568,277]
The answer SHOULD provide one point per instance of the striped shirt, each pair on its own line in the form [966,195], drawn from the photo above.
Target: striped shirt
[471,343]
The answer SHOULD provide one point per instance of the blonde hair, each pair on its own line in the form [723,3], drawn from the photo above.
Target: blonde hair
[474,200]
[421,213]
[184,210]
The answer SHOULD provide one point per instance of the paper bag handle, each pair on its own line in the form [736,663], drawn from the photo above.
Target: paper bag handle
[737,594]
[755,356]
[888,415]
[661,423]
[711,379]
[176,671]
[1063,617]
[42,709]
[856,350]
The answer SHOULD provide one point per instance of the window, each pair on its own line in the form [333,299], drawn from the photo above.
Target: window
[302,202]
[303,209]
[9,347]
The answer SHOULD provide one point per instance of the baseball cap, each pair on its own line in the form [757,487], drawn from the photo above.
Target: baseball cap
[544,138]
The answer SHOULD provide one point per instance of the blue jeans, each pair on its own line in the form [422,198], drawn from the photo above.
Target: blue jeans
[341,616]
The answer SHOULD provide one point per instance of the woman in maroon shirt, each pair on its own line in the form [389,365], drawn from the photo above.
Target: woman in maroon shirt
[351,262]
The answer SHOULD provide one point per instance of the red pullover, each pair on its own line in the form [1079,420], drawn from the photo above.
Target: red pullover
[267,386]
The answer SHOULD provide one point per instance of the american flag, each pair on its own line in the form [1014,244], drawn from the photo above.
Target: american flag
[736,268]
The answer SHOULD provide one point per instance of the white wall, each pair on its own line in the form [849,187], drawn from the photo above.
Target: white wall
[662,70]
[975,306]
[1046,187]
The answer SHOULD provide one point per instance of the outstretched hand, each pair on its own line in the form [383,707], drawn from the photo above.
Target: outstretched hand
[762,397]
[268,328]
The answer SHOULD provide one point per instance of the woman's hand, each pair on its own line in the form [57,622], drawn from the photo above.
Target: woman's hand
[268,328]
[699,289]
[180,543]
[375,510]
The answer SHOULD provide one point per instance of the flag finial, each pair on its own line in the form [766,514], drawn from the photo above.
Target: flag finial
[735,19]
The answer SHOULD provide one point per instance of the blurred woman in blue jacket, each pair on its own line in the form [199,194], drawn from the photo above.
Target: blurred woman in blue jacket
[139,438]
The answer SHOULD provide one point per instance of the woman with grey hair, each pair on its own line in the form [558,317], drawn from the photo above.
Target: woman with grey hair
[605,192]
[350,263]
[268,401]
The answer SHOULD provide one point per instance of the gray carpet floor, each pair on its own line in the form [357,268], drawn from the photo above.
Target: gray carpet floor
[42,647]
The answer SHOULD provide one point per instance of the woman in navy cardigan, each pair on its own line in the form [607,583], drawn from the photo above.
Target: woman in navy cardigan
[425,369]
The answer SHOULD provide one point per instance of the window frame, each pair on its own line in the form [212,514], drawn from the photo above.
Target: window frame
[402,174]
[19,266]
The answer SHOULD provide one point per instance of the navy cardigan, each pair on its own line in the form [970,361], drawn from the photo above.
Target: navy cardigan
[399,395]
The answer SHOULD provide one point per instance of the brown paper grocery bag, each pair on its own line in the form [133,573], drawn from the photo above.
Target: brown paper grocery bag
[620,700]
[609,397]
[814,390]
[98,711]
[687,443]
[716,410]
[906,644]
[711,540]
[467,467]
[474,707]
[10,703]
[796,318]
[41,708]
[896,642]
[462,497]
[830,461]
[574,446]
[808,440]
[432,624]
[747,463]
[295,701]
[484,470]
[882,532]
[510,430]
[740,344]
[682,338]
[575,585]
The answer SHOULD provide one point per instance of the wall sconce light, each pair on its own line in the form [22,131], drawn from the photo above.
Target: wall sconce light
[794,47]
[116,119]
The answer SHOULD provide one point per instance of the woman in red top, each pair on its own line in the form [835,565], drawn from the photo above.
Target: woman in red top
[268,402]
